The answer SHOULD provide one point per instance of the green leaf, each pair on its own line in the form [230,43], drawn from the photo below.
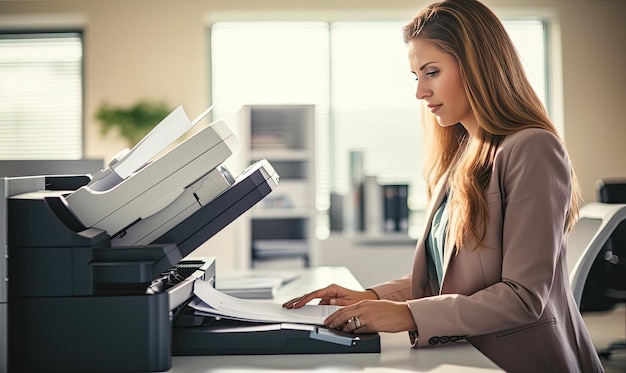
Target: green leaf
[133,122]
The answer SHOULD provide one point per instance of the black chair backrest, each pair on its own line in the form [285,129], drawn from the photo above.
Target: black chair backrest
[612,190]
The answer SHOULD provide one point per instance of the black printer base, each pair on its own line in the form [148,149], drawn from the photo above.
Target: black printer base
[90,334]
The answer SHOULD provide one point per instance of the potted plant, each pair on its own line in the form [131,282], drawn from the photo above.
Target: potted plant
[133,122]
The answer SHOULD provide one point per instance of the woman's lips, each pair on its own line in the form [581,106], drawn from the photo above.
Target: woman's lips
[434,108]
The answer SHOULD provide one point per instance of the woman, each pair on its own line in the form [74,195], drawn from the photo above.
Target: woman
[490,266]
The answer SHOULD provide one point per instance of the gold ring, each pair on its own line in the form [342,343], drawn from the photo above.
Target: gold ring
[357,322]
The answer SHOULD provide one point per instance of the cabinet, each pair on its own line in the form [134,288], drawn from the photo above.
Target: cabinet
[280,228]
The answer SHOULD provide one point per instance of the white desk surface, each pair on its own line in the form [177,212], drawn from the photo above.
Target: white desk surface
[396,353]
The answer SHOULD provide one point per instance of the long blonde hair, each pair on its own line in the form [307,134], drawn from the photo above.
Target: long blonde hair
[492,73]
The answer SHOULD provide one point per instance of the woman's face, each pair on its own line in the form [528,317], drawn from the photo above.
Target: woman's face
[439,84]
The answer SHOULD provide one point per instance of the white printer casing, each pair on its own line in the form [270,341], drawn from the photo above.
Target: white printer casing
[156,194]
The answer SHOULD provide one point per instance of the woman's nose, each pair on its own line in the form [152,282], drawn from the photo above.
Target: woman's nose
[422,91]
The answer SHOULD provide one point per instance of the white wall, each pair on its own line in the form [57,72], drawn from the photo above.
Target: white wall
[159,49]
[371,260]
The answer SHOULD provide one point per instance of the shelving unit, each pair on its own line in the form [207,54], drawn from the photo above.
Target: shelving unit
[280,229]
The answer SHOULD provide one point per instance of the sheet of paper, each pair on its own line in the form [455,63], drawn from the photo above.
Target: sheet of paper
[250,287]
[213,302]
[168,130]
[160,137]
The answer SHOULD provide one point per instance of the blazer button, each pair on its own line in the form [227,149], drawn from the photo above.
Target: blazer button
[445,340]
[433,341]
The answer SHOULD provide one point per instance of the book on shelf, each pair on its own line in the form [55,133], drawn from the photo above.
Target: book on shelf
[396,207]
[372,208]
[268,140]
[373,205]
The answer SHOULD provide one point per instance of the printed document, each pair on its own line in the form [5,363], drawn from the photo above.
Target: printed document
[212,302]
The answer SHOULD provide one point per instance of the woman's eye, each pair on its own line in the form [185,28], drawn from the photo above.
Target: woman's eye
[432,73]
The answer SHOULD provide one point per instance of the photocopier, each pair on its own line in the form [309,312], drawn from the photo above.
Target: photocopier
[96,273]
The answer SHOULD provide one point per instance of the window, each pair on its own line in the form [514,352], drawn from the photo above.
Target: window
[374,107]
[41,96]
[357,75]
[273,63]
[529,37]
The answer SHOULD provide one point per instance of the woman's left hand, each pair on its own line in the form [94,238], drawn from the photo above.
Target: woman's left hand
[370,316]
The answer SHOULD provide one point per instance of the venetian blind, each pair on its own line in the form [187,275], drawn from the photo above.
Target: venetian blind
[41,96]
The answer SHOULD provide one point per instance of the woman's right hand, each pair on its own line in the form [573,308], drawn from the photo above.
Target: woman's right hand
[332,294]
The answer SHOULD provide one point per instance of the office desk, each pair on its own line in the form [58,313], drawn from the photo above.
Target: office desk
[396,353]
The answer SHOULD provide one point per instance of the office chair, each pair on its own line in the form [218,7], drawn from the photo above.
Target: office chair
[588,245]
[614,191]
[596,223]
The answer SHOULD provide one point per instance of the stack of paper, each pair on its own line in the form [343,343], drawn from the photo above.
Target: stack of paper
[212,302]
[250,287]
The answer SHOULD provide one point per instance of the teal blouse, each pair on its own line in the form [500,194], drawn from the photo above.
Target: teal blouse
[435,243]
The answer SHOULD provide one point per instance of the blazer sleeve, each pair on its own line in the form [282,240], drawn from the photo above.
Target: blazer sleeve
[396,290]
[532,174]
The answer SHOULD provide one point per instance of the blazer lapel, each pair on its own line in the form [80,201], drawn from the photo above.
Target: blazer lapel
[447,255]
[449,249]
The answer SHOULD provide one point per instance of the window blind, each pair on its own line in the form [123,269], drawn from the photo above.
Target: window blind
[41,96]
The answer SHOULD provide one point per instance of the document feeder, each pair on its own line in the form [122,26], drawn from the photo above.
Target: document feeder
[99,276]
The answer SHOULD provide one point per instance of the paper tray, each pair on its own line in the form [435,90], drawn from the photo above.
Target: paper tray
[228,337]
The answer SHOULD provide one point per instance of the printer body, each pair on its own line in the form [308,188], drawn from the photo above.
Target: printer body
[98,271]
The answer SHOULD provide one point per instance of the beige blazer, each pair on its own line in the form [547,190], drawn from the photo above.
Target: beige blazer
[511,300]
